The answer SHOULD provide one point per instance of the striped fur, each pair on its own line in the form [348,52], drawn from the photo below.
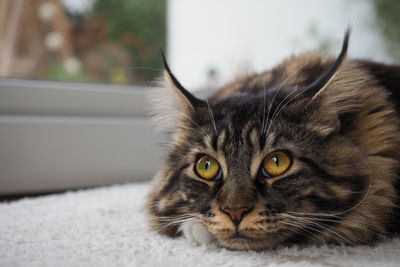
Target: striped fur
[341,132]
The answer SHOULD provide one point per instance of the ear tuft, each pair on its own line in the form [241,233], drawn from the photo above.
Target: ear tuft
[170,101]
[326,120]
[319,86]
[176,85]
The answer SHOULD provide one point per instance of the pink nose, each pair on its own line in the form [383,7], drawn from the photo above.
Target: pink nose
[236,214]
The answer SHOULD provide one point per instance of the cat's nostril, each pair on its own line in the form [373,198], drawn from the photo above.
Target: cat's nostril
[236,214]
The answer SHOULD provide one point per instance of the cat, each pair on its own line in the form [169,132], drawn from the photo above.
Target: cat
[305,153]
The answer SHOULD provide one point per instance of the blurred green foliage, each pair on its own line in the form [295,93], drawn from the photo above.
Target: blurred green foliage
[117,41]
[387,14]
[140,26]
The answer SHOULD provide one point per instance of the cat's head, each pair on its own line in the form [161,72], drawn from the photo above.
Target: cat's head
[267,160]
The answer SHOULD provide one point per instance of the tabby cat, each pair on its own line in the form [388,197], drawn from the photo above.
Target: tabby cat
[306,153]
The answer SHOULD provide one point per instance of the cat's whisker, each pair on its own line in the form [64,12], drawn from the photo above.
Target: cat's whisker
[332,218]
[196,124]
[299,229]
[182,221]
[281,238]
[344,221]
[278,111]
[186,215]
[212,117]
[312,214]
[264,119]
[163,145]
[313,230]
[279,108]
[277,91]
[312,218]
[369,187]
[171,219]
[353,207]
[178,222]
[324,227]
[332,235]
[263,113]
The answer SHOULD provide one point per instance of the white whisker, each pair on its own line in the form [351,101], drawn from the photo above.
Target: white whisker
[212,117]
[196,124]
[300,230]
[276,93]
[317,224]
[369,187]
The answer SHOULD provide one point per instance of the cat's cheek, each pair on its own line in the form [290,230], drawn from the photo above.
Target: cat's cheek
[196,233]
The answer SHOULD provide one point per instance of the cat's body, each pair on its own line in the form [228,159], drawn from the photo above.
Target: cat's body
[308,152]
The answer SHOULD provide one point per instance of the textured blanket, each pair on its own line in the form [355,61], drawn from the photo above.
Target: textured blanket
[107,227]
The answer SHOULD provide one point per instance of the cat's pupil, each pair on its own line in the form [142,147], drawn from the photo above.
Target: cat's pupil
[275,160]
[207,164]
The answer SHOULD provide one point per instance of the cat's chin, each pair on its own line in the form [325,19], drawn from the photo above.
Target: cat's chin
[197,233]
[244,243]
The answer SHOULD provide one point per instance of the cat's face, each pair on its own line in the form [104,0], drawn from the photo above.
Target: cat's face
[263,162]
[242,201]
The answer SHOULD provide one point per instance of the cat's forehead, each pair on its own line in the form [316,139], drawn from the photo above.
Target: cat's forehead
[243,111]
[241,124]
[237,138]
[265,105]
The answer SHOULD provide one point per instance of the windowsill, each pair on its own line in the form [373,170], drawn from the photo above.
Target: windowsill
[57,135]
[28,97]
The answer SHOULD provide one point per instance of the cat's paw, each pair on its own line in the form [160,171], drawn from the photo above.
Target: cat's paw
[196,233]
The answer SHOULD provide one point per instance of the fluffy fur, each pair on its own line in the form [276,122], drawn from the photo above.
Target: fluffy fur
[338,120]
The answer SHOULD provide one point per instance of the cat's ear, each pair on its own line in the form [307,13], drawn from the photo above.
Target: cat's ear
[325,119]
[316,88]
[170,101]
[183,97]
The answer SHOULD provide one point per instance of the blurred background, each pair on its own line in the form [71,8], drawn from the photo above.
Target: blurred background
[84,41]
[118,41]
[74,73]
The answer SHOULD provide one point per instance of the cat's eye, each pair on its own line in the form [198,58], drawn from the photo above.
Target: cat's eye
[207,167]
[276,163]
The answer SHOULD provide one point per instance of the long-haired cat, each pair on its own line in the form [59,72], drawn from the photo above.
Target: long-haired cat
[308,152]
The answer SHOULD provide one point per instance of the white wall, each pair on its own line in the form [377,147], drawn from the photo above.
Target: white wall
[232,35]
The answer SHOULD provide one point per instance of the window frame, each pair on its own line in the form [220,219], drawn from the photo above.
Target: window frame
[43,124]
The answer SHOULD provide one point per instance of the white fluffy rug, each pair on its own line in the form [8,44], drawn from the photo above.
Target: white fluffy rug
[107,227]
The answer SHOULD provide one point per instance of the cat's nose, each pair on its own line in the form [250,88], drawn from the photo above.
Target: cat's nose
[236,214]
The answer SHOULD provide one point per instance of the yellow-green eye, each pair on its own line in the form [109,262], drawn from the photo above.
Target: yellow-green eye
[276,163]
[207,167]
